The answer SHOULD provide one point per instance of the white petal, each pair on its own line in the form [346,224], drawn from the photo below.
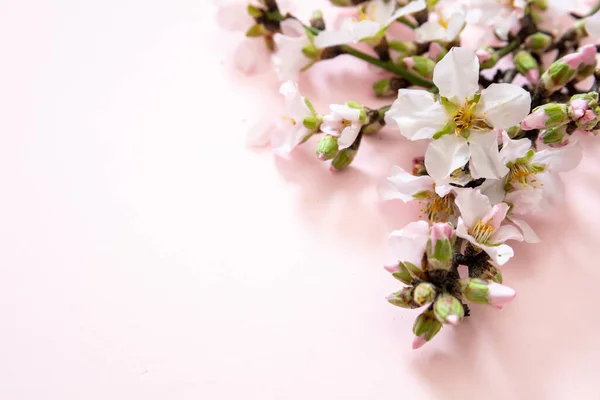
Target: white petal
[259,135]
[504,233]
[553,189]
[379,10]
[350,32]
[525,201]
[285,7]
[562,159]
[443,190]
[417,114]
[429,32]
[333,38]
[444,155]
[473,205]
[485,157]
[252,56]
[592,25]
[513,149]
[349,135]
[343,111]
[493,189]
[412,7]
[455,26]
[233,16]
[457,74]
[408,244]
[529,234]
[292,27]
[403,185]
[503,105]
[365,29]
[295,103]
[499,254]
[289,59]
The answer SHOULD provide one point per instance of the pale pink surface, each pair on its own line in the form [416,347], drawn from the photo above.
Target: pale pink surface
[147,254]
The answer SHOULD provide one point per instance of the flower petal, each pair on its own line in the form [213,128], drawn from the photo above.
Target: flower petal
[444,155]
[562,159]
[493,189]
[292,27]
[251,56]
[496,215]
[503,105]
[473,205]
[408,244]
[344,112]
[232,16]
[499,254]
[429,32]
[525,201]
[457,74]
[411,7]
[485,157]
[349,135]
[455,25]
[417,114]
[289,59]
[403,185]
[350,32]
[529,235]
[513,149]
[506,232]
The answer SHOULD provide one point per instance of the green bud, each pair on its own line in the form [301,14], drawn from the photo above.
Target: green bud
[421,65]
[257,30]
[343,3]
[400,272]
[424,293]
[555,137]
[311,52]
[343,159]
[406,48]
[254,11]
[327,148]
[540,4]
[312,122]
[489,57]
[383,88]
[538,42]
[425,328]
[475,290]
[558,75]
[448,309]
[403,298]
[513,131]
[525,62]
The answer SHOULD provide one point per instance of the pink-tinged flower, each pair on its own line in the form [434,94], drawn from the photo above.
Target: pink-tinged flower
[500,295]
[376,18]
[344,122]
[536,120]
[481,224]
[484,54]
[289,58]
[419,341]
[408,245]
[441,27]
[441,231]
[435,49]
[502,15]
[463,126]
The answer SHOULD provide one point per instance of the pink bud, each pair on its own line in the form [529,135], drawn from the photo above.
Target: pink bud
[440,231]
[588,117]
[434,50]
[588,53]
[573,60]
[453,319]
[321,156]
[579,107]
[409,62]
[483,55]
[533,75]
[535,120]
[392,268]
[499,295]
[418,342]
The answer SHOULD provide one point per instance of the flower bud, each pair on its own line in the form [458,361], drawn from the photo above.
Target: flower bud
[439,246]
[317,21]
[407,49]
[343,159]
[400,272]
[327,148]
[561,72]
[527,66]
[487,292]
[487,57]
[425,328]
[549,115]
[555,137]
[538,42]
[389,87]
[448,309]
[421,65]
[344,3]
[584,110]
[403,298]
[588,62]
[424,293]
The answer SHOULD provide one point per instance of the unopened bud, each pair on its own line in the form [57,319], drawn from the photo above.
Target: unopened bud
[448,309]
[436,51]
[549,115]
[588,63]
[389,87]
[317,21]
[561,72]
[527,66]
[327,148]
[400,272]
[424,293]
[487,292]
[343,159]
[555,137]
[425,328]
[421,65]
[584,110]
[439,246]
[403,298]
[407,49]
[540,4]
[487,57]
[538,42]
[254,11]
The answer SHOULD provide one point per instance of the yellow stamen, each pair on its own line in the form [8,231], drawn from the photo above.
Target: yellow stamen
[482,231]
[290,120]
[439,208]
[465,118]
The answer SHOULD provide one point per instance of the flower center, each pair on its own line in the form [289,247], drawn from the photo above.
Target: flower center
[523,173]
[439,208]
[367,12]
[290,120]
[482,231]
[443,22]
[345,123]
[464,117]
[508,3]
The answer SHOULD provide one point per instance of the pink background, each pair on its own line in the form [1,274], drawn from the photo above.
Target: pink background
[146,253]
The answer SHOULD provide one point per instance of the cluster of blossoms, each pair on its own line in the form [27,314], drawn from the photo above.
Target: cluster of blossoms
[499,133]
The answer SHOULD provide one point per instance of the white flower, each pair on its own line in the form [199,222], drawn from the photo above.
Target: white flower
[408,244]
[378,16]
[481,224]
[444,29]
[289,130]
[439,202]
[344,122]
[289,58]
[592,25]
[463,124]
[503,15]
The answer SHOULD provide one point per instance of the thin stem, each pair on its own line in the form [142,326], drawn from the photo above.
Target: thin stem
[507,49]
[388,66]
